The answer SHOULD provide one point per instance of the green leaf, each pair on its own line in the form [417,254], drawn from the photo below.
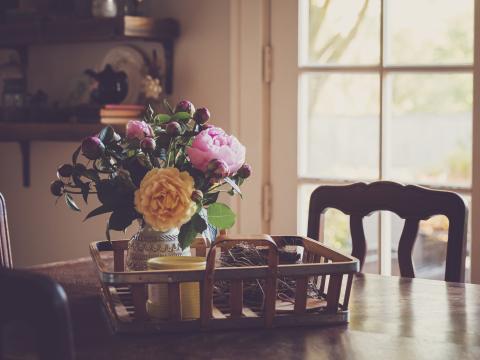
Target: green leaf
[149,112]
[209,198]
[220,216]
[203,213]
[183,127]
[76,180]
[85,189]
[161,154]
[98,211]
[144,160]
[199,223]
[121,218]
[211,231]
[75,155]
[187,234]
[161,118]
[163,140]
[180,160]
[118,156]
[106,134]
[132,153]
[116,193]
[234,186]
[182,115]
[167,106]
[71,204]
[91,174]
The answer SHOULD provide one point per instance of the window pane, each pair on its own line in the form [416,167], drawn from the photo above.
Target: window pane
[428,128]
[337,229]
[468,257]
[429,252]
[339,127]
[303,199]
[371,227]
[342,32]
[429,31]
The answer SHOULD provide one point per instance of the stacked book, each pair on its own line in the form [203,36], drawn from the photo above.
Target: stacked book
[140,26]
[120,114]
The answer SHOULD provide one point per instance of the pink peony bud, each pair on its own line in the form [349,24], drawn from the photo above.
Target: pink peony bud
[245,171]
[185,106]
[56,187]
[138,130]
[147,144]
[201,116]
[173,128]
[92,147]
[65,170]
[197,196]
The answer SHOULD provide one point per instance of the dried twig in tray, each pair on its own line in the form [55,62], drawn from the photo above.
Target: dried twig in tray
[253,294]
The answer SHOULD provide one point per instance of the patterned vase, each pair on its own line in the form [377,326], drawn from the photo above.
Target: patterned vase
[149,243]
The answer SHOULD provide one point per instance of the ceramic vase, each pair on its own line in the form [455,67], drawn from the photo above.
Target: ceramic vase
[148,243]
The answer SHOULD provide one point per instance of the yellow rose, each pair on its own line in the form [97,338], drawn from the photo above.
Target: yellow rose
[164,198]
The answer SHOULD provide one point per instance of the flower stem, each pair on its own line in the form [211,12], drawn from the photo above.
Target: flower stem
[216,186]
[78,193]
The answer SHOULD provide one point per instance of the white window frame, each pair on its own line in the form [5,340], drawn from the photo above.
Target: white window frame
[383,70]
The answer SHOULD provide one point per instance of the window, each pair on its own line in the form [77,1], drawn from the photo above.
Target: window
[385,92]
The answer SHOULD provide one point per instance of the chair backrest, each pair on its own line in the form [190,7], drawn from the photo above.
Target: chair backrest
[410,202]
[40,306]
[5,250]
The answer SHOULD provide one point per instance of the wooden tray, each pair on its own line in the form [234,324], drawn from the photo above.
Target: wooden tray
[125,293]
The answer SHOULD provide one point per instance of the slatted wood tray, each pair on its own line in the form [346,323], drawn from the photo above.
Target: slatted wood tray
[125,293]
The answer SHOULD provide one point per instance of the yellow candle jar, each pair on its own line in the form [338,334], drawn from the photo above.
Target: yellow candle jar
[157,304]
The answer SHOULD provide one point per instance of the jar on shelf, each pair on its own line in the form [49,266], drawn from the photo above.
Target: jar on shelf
[14,99]
[14,91]
[104,8]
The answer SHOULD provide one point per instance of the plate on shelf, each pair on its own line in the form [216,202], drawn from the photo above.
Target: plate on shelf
[132,62]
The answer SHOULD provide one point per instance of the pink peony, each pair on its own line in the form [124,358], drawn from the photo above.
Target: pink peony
[138,130]
[214,143]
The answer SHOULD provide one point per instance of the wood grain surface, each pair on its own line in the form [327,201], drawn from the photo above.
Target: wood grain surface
[391,318]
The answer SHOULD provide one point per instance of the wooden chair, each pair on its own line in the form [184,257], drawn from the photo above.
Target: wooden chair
[5,251]
[33,304]
[412,203]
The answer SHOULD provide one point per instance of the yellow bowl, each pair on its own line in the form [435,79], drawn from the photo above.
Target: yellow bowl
[157,304]
[177,263]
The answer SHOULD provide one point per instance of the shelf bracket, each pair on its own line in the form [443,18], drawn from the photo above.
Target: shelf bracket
[25,151]
[168,51]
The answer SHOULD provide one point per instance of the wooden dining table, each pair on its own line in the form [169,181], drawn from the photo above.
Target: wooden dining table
[390,318]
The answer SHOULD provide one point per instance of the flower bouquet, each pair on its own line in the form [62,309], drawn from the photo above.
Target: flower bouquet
[167,172]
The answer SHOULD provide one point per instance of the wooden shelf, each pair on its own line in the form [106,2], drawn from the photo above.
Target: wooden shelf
[88,30]
[24,133]
[49,132]
[71,30]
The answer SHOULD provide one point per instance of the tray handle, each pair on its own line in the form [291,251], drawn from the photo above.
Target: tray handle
[270,281]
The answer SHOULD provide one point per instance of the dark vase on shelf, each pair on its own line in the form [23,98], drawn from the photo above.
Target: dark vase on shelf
[111,86]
